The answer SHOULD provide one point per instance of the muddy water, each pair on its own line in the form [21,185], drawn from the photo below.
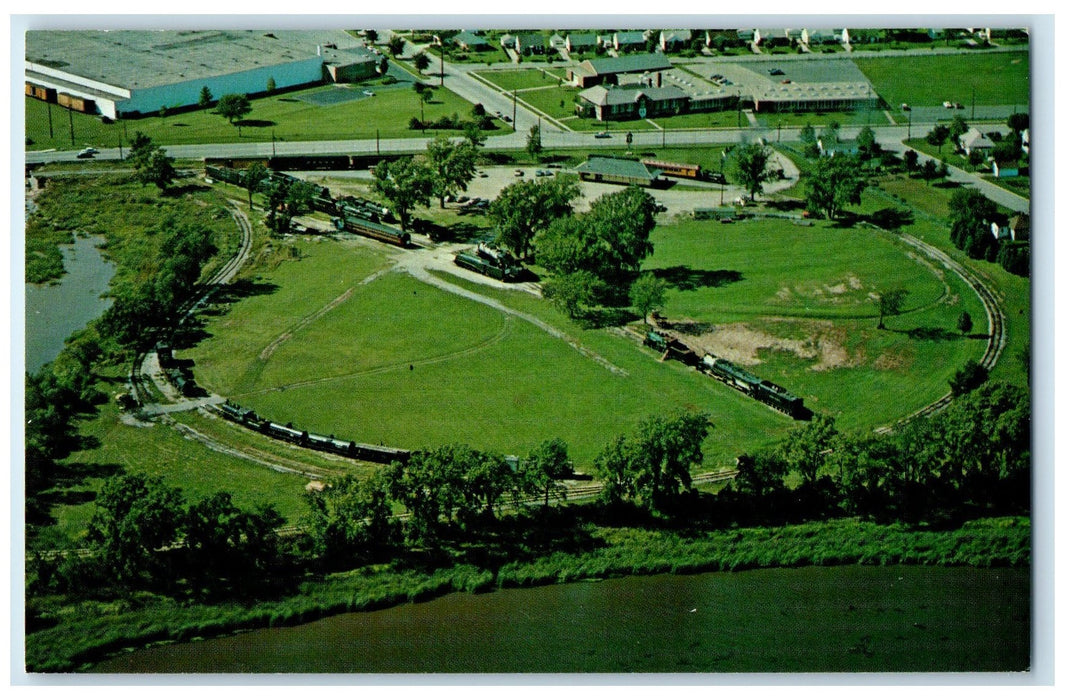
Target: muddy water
[55,311]
[845,618]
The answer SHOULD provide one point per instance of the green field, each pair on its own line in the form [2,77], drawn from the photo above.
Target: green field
[523,78]
[286,117]
[998,78]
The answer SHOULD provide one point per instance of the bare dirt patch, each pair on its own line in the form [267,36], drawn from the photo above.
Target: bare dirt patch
[820,341]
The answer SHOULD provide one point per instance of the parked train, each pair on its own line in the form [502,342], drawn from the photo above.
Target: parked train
[348,221]
[491,262]
[353,214]
[321,443]
[690,171]
[772,395]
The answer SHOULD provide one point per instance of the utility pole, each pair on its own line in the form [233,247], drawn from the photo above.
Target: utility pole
[514,109]
[120,156]
[70,114]
[378,142]
[909,123]
[441,64]
[50,135]
[972,102]
[273,143]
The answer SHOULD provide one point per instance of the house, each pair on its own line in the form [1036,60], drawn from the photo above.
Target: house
[619,171]
[674,39]
[772,37]
[606,70]
[974,141]
[579,43]
[1008,168]
[1016,228]
[817,37]
[529,44]
[614,103]
[629,41]
[468,41]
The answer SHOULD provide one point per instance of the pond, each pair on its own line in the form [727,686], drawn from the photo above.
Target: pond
[55,311]
[827,619]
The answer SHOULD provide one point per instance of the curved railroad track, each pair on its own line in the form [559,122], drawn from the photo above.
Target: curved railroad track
[996,322]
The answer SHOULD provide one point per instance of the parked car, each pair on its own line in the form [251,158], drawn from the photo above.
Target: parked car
[87,153]
[602,135]
[905,107]
[519,173]
[368,93]
[544,173]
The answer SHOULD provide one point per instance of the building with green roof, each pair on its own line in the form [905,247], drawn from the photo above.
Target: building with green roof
[619,171]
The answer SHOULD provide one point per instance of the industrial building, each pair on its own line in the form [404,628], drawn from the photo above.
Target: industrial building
[619,171]
[130,73]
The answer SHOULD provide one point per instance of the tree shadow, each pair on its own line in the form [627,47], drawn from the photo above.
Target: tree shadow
[891,218]
[242,289]
[933,334]
[947,185]
[185,189]
[785,204]
[606,317]
[255,122]
[684,278]
[460,232]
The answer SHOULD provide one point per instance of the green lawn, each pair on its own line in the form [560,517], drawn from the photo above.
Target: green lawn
[523,78]
[285,117]
[998,78]
[815,321]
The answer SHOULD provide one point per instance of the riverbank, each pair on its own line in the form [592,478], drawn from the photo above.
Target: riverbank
[77,636]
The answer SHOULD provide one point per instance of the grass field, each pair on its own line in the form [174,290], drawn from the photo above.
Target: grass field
[523,78]
[998,78]
[286,117]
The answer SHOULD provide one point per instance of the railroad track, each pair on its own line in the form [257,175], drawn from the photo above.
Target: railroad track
[996,322]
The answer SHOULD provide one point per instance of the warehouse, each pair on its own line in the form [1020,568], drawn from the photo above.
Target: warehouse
[129,73]
[813,97]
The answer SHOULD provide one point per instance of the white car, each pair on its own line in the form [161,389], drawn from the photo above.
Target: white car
[368,93]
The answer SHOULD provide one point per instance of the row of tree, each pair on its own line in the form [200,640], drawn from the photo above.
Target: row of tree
[970,460]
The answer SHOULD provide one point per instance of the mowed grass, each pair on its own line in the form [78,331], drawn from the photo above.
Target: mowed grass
[999,78]
[802,294]
[523,78]
[403,363]
[285,117]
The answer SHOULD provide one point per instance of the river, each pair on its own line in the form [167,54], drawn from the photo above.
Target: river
[827,619]
[55,311]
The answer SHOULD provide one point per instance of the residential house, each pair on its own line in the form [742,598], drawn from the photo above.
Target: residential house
[630,41]
[670,40]
[468,41]
[580,43]
[530,44]
[974,141]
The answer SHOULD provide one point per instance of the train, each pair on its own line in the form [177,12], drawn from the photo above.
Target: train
[690,171]
[349,213]
[302,438]
[348,221]
[490,262]
[768,393]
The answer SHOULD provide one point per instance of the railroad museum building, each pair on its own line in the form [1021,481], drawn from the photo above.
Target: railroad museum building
[129,73]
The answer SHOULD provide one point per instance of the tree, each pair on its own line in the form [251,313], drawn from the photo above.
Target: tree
[751,162]
[1018,122]
[890,303]
[421,61]
[760,474]
[808,137]
[431,485]
[546,465]
[371,36]
[910,159]
[834,183]
[525,208]
[609,241]
[938,136]
[271,85]
[652,468]
[867,145]
[206,98]
[572,291]
[647,294]
[472,133]
[227,541]
[352,518]
[970,213]
[971,376]
[534,144]
[425,94]
[163,112]
[140,149]
[929,170]
[965,323]
[405,183]
[135,516]
[804,449]
[233,107]
[958,126]
[254,177]
[452,165]
[396,44]
[157,170]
